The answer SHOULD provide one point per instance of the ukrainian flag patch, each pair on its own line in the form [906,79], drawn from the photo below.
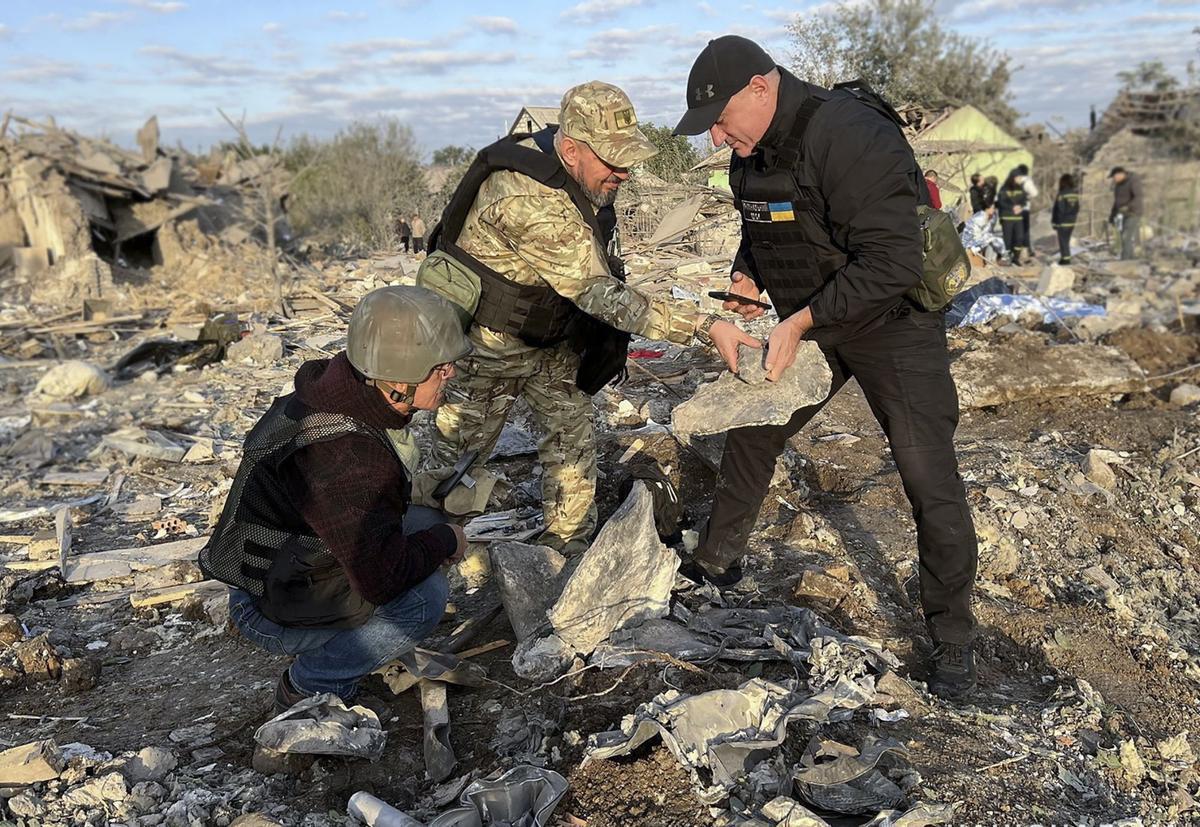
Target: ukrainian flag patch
[766,212]
[782,211]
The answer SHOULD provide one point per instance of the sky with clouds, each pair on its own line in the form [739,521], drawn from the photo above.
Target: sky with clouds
[457,72]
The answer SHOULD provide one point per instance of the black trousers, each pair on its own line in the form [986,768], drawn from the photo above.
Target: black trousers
[418,243]
[1014,237]
[1064,242]
[904,371]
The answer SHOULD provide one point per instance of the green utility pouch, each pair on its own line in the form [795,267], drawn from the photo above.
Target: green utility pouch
[946,267]
[453,281]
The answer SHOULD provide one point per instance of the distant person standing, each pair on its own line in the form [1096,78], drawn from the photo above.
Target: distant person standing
[977,193]
[418,233]
[1127,209]
[991,185]
[931,184]
[1031,192]
[1012,201]
[404,232]
[1066,209]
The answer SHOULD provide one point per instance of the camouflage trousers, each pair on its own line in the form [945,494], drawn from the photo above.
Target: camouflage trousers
[477,403]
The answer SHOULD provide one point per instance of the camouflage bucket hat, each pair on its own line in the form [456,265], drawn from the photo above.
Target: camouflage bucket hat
[602,116]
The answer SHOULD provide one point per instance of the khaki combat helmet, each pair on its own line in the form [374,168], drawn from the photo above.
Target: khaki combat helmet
[401,333]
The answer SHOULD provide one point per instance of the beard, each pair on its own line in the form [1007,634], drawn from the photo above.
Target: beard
[599,196]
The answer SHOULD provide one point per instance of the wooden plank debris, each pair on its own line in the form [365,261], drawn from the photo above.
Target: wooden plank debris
[123,562]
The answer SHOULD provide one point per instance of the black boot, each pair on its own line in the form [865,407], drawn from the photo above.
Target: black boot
[286,695]
[701,572]
[953,670]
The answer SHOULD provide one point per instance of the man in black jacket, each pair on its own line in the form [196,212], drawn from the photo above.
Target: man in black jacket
[1128,206]
[827,188]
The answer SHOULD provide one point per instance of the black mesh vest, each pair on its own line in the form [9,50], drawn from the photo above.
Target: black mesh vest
[294,578]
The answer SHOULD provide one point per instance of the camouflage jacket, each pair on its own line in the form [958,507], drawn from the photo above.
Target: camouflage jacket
[533,234]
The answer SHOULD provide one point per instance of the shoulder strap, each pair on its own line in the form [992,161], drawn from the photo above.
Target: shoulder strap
[541,164]
[791,148]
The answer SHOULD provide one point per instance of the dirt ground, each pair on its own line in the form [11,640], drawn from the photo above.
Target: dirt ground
[1024,750]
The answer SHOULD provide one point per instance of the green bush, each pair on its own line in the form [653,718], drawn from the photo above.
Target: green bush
[349,190]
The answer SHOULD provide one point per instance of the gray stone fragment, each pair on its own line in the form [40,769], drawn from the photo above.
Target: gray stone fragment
[259,348]
[734,401]
[72,380]
[529,579]
[1099,471]
[624,578]
[541,659]
[150,764]
[1025,367]
[1184,395]
[98,792]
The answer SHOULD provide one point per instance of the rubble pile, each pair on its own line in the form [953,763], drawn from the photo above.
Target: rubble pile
[592,680]
[81,218]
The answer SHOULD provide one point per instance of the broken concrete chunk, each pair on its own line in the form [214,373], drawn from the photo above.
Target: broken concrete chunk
[80,675]
[38,658]
[1025,367]
[625,577]
[72,380]
[30,763]
[541,659]
[257,348]
[150,764]
[1056,279]
[1185,395]
[821,587]
[10,630]
[529,580]
[735,401]
[1098,471]
[98,793]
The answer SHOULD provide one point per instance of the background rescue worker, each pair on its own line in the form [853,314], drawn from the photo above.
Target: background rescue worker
[326,559]
[828,188]
[534,235]
[1062,217]
[1012,202]
[977,193]
[1128,206]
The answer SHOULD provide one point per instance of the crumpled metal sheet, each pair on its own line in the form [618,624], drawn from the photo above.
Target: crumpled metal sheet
[921,814]
[440,760]
[522,797]
[416,664]
[788,633]
[324,725]
[850,782]
[727,731]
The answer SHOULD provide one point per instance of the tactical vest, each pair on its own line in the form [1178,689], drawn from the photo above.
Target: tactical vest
[293,576]
[792,248]
[535,313]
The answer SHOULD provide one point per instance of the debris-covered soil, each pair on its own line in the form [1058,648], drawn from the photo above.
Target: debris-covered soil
[1085,500]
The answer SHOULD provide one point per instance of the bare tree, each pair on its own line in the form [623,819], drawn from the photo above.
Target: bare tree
[266,214]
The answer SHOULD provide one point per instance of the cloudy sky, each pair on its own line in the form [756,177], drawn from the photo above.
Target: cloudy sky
[457,72]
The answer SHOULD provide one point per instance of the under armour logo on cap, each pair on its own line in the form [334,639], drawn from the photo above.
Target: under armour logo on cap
[725,66]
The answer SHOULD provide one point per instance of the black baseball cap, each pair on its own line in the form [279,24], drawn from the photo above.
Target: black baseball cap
[722,70]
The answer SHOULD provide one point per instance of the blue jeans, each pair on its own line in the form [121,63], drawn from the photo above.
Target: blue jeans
[335,660]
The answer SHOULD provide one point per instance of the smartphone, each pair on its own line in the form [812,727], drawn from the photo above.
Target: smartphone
[726,296]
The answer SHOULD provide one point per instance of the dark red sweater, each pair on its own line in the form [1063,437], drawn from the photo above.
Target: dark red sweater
[350,490]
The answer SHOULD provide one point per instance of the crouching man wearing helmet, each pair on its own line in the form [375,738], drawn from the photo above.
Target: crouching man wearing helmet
[327,560]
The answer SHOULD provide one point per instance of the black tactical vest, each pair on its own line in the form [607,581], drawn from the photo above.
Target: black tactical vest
[784,215]
[255,547]
[534,313]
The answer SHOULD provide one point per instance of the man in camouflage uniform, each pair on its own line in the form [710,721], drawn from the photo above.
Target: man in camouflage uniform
[533,234]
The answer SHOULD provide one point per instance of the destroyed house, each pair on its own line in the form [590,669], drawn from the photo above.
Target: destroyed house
[534,119]
[80,215]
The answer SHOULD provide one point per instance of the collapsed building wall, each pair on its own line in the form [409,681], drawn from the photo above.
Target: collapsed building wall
[81,218]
